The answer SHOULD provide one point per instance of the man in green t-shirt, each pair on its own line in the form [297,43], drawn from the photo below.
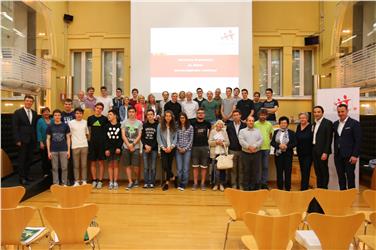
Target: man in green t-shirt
[266,129]
[211,107]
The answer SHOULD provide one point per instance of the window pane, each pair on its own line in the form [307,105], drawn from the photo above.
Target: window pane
[276,71]
[263,70]
[308,79]
[76,72]
[120,70]
[107,68]
[295,72]
[88,69]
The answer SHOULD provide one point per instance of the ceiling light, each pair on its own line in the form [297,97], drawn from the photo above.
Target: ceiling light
[41,34]
[348,39]
[346,31]
[7,16]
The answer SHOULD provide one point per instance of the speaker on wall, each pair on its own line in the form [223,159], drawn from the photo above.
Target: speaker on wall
[68,18]
[311,40]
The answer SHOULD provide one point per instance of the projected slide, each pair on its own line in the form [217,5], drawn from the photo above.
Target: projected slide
[188,58]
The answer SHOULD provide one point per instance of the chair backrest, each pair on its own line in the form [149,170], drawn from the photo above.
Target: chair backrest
[6,164]
[71,196]
[272,232]
[370,198]
[70,224]
[336,202]
[335,232]
[11,196]
[292,201]
[246,201]
[13,222]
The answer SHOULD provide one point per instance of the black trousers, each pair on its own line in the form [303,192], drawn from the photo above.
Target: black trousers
[167,159]
[283,163]
[46,163]
[345,172]
[70,168]
[305,162]
[251,162]
[25,158]
[321,170]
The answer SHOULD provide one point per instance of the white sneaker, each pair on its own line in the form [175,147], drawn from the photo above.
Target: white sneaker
[111,185]
[222,188]
[215,188]
[116,185]
[94,184]
[84,182]
[76,183]
[99,185]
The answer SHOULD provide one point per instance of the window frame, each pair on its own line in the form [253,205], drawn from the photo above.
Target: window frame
[83,86]
[114,68]
[269,69]
[301,70]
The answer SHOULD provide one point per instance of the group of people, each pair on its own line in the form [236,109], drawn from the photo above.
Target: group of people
[191,131]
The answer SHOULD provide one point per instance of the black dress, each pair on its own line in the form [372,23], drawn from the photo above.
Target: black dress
[304,148]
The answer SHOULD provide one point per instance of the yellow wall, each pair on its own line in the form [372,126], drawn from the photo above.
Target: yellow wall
[106,25]
[98,26]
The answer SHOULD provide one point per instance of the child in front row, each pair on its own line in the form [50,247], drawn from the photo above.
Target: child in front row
[113,143]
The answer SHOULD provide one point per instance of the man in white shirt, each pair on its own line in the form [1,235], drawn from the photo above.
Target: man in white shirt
[165,96]
[106,100]
[190,107]
[79,134]
[322,146]
[347,139]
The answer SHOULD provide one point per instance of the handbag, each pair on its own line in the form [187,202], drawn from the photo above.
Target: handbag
[225,161]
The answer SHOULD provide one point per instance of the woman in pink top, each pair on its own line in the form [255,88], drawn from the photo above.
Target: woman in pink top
[141,108]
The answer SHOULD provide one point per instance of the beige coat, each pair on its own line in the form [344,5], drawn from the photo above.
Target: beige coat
[212,143]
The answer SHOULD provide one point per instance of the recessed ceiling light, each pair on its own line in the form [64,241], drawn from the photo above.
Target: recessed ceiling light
[346,31]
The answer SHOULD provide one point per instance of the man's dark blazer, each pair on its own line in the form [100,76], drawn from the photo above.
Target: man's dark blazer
[233,137]
[23,131]
[348,144]
[324,137]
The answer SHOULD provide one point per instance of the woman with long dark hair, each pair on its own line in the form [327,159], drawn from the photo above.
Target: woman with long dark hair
[183,152]
[166,137]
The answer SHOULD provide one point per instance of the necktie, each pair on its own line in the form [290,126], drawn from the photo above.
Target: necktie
[29,115]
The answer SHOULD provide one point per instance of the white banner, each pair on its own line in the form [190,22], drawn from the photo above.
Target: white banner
[329,99]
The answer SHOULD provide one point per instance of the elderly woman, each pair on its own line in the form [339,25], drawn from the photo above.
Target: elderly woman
[283,141]
[304,138]
[218,143]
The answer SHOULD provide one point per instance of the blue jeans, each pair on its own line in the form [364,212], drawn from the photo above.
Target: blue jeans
[149,166]
[182,165]
[263,176]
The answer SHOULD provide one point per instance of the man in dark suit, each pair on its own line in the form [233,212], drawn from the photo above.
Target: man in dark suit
[24,132]
[347,136]
[322,146]
[235,148]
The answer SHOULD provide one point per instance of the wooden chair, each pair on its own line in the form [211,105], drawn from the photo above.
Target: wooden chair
[335,232]
[290,201]
[70,225]
[13,222]
[242,202]
[270,232]
[369,240]
[336,202]
[6,164]
[11,196]
[71,196]
[370,197]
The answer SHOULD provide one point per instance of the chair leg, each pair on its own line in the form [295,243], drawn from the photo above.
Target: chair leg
[227,228]
[99,247]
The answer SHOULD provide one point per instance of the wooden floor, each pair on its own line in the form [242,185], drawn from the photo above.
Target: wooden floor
[153,219]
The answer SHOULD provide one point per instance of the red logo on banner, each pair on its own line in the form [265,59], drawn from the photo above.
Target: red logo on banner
[228,36]
[345,100]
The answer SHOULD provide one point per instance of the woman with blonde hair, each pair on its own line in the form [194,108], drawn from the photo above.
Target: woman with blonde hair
[218,143]
[141,108]
[152,104]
